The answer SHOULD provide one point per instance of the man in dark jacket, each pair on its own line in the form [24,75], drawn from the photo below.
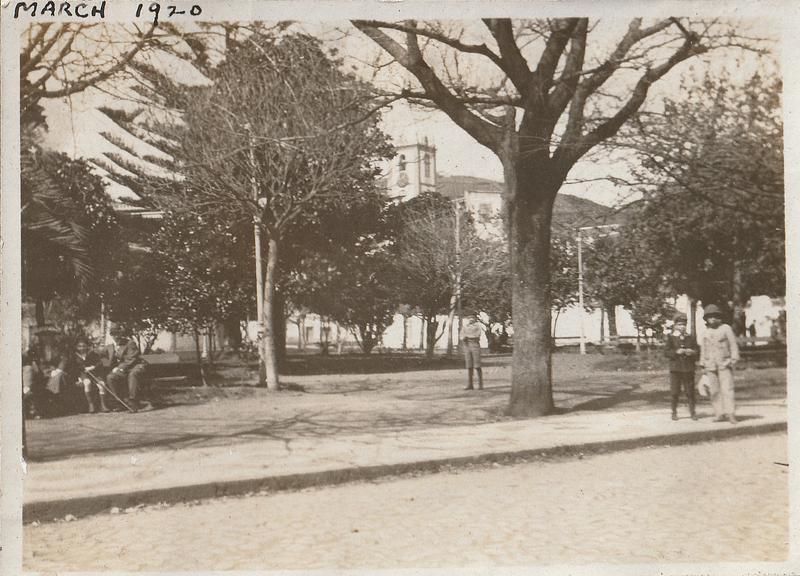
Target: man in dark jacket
[682,353]
[128,368]
[90,366]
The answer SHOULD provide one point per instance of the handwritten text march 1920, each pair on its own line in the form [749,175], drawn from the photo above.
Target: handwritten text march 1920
[97,10]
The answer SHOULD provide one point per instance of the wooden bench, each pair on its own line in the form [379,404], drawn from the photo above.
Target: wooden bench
[164,358]
[750,341]
[763,348]
[167,368]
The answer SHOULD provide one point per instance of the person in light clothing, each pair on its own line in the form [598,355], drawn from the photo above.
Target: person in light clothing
[718,357]
[471,337]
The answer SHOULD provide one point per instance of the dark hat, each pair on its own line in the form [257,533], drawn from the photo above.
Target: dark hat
[467,312]
[119,332]
[712,310]
[680,317]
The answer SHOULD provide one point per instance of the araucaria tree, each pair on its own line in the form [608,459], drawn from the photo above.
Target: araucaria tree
[544,94]
[68,226]
[280,132]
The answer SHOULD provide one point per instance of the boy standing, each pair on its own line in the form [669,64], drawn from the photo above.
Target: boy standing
[682,352]
[719,354]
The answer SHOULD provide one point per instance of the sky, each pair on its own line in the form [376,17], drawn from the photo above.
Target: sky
[75,124]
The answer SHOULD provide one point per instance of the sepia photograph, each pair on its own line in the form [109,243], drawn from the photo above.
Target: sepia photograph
[396,286]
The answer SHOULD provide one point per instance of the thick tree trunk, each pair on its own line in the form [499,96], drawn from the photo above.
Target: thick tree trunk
[39,312]
[693,315]
[611,312]
[368,338]
[279,320]
[491,340]
[405,332]
[301,332]
[233,333]
[324,336]
[602,326]
[199,357]
[339,340]
[432,326]
[422,334]
[739,321]
[268,352]
[211,348]
[555,324]
[450,318]
[530,209]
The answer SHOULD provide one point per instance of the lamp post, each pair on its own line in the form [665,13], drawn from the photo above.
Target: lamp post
[257,242]
[580,292]
[458,204]
[580,276]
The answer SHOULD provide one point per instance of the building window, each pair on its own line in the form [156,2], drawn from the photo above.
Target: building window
[427,163]
[402,163]
[485,212]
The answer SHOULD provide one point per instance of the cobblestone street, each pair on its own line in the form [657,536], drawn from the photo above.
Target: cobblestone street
[699,503]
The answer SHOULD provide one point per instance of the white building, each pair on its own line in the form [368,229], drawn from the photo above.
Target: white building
[410,173]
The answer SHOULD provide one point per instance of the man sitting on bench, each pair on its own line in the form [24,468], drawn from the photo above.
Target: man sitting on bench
[89,378]
[128,368]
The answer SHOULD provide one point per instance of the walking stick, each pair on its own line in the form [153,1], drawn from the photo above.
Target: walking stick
[102,385]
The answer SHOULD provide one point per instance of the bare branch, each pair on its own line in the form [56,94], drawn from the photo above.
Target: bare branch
[513,63]
[411,59]
[611,126]
[570,76]
[72,88]
[481,49]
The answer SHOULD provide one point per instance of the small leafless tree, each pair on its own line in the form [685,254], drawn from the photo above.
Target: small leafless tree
[432,263]
[279,135]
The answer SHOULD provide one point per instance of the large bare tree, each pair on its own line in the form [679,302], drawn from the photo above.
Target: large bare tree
[541,96]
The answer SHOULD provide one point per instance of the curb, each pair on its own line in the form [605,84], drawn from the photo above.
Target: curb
[51,510]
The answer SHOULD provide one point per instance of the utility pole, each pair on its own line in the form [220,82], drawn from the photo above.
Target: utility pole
[580,276]
[458,269]
[259,272]
[580,293]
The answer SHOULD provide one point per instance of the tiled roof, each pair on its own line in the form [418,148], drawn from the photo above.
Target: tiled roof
[455,186]
[569,211]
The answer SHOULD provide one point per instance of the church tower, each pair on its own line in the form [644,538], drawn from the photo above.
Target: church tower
[412,171]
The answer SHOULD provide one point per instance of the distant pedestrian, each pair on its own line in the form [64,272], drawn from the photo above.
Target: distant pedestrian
[718,357]
[682,353]
[471,337]
[751,330]
[129,368]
